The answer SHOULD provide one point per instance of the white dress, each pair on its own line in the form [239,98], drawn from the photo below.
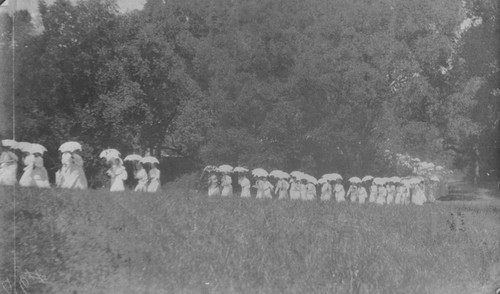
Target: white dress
[61,174]
[227,187]
[213,187]
[39,174]
[142,181]
[303,191]
[326,191]
[373,194]
[405,195]
[399,195]
[294,190]
[352,194]
[391,193]
[27,178]
[282,189]
[154,181]
[362,194]
[72,173]
[418,196]
[339,193]
[310,191]
[245,187]
[118,176]
[259,184]
[8,168]
[267,189]
[381,195]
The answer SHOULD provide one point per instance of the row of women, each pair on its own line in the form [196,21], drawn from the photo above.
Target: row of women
[300,186]
[71,175]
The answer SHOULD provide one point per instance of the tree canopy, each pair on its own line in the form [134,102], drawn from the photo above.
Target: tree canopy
[319,85]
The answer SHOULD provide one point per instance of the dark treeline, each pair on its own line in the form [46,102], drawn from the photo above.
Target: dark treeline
[316,85]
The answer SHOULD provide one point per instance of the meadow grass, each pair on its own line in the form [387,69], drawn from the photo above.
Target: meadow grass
[179,241]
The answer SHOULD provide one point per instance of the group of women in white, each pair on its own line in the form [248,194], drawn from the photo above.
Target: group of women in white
[71,175]
[300,186]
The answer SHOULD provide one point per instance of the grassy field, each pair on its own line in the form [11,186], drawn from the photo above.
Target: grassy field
[182,242]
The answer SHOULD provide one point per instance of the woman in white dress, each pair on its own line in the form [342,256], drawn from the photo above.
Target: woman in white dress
[326,191]
[362,194]
[245,186]
[399,194]
[259,185]
[76,171]
[142,178]
[35,174]
[8,167]
[382,194]
[373,193]
[405,194]
[61,174]
[71,174]
[213,185]
[352,193]
[26,179]
[154,179]
[39,173]
[391,193]
[267,188]
[339,191]
[294,189]
[303,189]
[418,197]
[282,189]
[118,175]
[310,191]
[227,185]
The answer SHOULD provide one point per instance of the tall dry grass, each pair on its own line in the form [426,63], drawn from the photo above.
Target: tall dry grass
[181,242]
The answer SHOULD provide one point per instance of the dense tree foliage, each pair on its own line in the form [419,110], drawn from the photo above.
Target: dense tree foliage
[317,85]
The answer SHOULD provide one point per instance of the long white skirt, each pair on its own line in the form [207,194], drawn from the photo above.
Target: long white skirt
[154,186]
[283,194]
[227,191]
[213,191]
[340,196]
[73,178]
[294,194]
[8,175]
[418,198]
[35,177]
[117,185]
[142,186]
[245,192]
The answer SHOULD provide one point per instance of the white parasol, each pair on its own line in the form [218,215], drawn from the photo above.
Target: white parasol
[133,157]
[311,179]
[395,180]
[367,178]
[296,173]
[355,180]
[225,168]
[275,173]
[110,153]
[240,169]
[9,143]
[149,159]
[70,146]
[36,148]
[23,146]
[211,168]
[259,172]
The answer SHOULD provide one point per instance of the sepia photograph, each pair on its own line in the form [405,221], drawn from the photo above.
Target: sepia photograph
[249,146]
